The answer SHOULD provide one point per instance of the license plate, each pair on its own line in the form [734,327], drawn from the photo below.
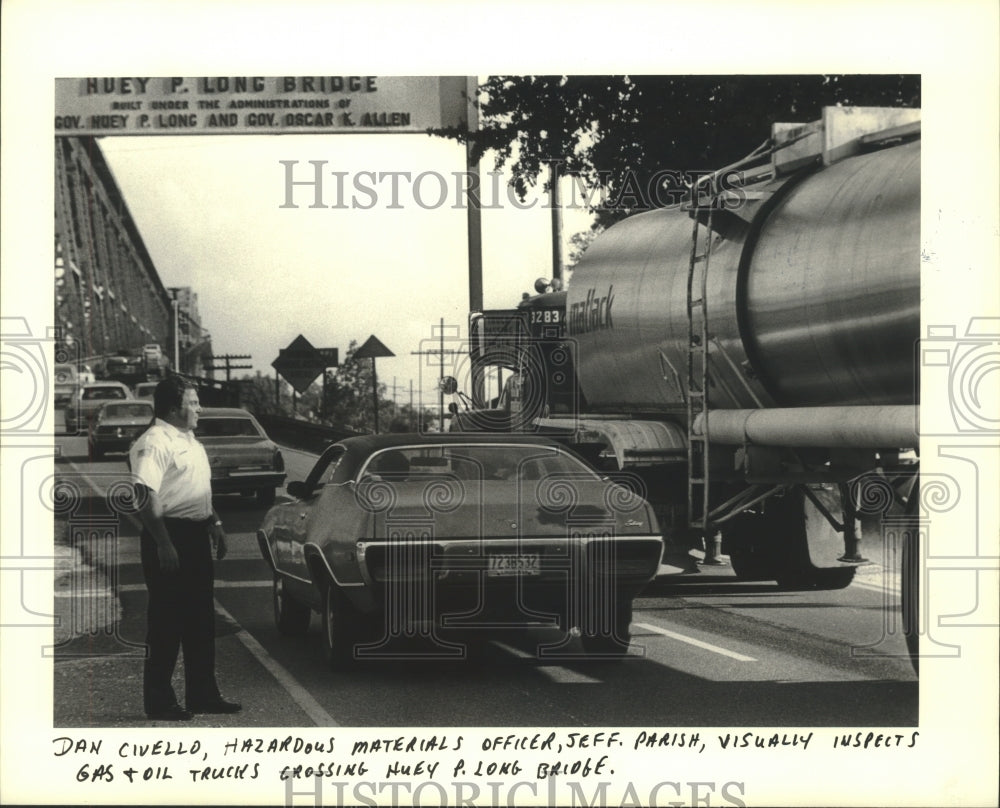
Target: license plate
[513,564]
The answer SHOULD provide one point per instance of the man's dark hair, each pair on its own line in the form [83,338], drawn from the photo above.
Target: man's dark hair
[170,394]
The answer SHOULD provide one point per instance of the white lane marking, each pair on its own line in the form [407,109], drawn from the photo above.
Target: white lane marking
[510,649]
[566,676]
[697,643]
[557,673]
[299,694]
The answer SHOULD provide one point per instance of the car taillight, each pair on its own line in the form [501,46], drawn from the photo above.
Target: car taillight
[279,461]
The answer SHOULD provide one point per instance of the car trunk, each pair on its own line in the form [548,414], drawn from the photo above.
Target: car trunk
[239,452]
[529,531]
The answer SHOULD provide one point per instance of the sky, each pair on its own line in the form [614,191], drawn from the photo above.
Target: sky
[210,211]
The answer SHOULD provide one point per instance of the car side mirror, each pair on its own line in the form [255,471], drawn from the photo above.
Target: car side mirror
[298,489]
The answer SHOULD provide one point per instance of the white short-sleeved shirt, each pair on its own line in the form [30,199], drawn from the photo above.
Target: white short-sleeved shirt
[174,464]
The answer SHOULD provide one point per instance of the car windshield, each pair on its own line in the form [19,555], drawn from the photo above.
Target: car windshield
[93,393]
[127,411]
[230,427]
[476,462]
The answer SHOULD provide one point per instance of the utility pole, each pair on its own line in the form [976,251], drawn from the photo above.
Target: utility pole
[440,353]
[557,258]
[177,338]
[228,367]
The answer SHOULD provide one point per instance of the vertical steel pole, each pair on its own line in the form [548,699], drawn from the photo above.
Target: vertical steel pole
[474,225]
[441,377]
[375,393]
[556,202]
[177,341]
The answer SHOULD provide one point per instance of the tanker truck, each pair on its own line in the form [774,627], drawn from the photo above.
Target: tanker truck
[747,356]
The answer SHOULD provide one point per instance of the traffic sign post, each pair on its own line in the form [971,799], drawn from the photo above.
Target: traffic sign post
[373,348]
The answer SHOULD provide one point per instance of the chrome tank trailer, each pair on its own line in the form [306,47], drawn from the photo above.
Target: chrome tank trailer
[813,295]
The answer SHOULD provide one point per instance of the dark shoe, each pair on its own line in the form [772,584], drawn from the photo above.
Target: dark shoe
[172,713]
[219,705]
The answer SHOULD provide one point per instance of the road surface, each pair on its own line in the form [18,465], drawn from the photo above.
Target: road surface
[707,649]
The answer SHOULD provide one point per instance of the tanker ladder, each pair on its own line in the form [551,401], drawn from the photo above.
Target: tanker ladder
[698,482]
[697,378]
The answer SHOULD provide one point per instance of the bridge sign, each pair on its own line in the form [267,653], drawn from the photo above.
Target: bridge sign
[300,363]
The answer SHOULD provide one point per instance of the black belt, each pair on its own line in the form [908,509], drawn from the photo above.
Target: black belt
[208,521]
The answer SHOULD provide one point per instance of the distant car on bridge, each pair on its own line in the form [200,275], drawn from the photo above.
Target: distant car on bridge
[457,534]
[67,383]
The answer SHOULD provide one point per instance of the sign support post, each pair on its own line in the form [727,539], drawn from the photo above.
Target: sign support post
[373,348]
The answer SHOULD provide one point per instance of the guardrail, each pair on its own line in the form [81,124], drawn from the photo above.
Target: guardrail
[302,434]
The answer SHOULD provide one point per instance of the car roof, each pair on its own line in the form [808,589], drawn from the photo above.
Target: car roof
[90,385]
[128,402]
[142,402]
[373,443]
[224,412]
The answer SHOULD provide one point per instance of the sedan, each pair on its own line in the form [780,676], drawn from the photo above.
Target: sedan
[90,399]
[117,424]
[464,535]
[145,390]
[67,384]
[243,458]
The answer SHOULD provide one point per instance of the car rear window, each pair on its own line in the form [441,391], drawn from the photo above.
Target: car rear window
[227,428]
[128,411]
[482,462]
[93,393]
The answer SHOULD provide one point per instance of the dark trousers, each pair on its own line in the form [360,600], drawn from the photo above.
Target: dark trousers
[181,613]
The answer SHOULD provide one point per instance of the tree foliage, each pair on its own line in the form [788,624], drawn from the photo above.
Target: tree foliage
[348,401]
[616,133]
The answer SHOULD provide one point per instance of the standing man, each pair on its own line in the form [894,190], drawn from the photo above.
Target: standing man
[180,530]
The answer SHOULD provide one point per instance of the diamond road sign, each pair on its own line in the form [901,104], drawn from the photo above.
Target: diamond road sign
[300,363]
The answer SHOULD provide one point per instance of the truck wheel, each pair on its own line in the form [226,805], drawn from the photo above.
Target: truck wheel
[750,546]
[339,627]
[265,497]
[751,566]
[290,616]
[600,642]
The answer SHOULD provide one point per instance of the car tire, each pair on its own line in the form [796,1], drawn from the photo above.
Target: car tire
[339,628]
[96,453]
[265,497]
[290,616]
[599,643]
